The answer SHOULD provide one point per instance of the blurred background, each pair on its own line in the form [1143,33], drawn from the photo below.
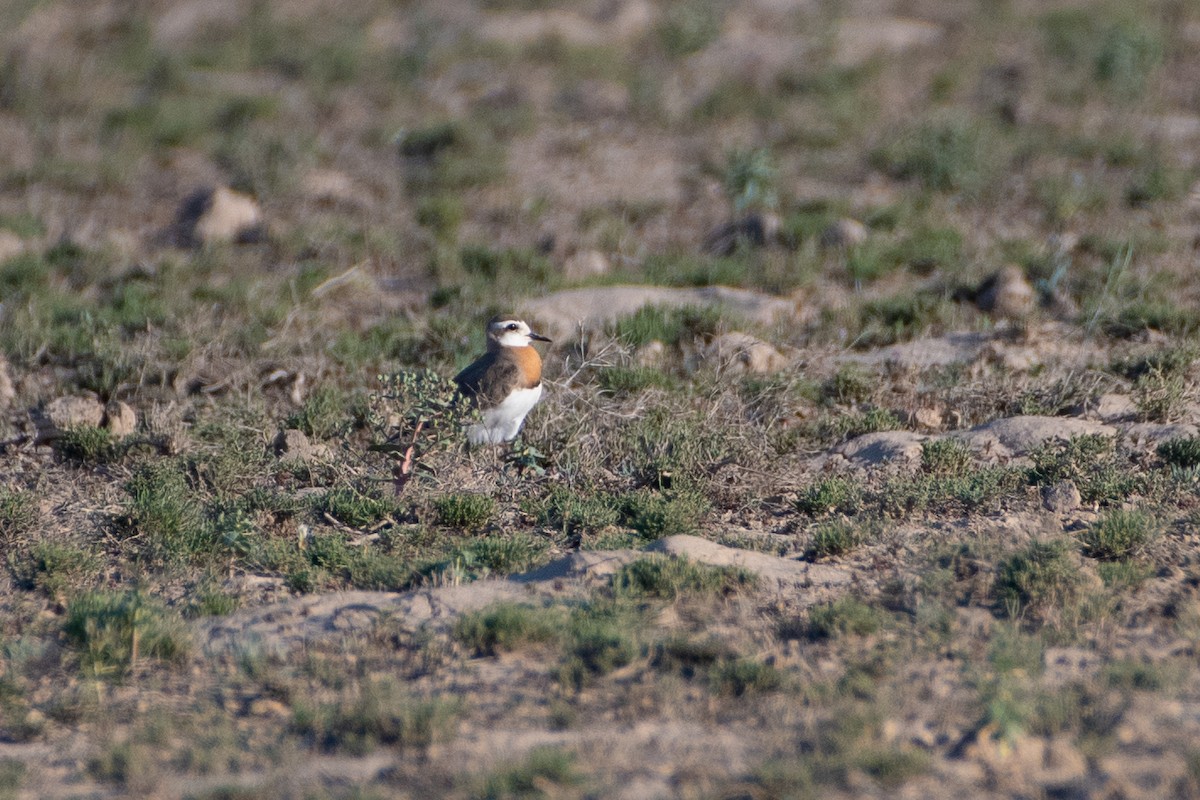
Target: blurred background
[394,171]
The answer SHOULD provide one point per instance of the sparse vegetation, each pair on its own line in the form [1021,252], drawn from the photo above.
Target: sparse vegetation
[1120,534]
[670,578]
[838,538]
[115,631]
[508,626]
[1092,462]
[1041,577]
[467,511]
[18,514]
[285,575]
[846,616]
[943,154]
[378,713]
[1181,452]
[831,495]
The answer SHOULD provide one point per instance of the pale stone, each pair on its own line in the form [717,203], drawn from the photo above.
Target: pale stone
[927,419]
[843,233]
[1019,435]
[291,443]
[651,354]
[218,216]
[872,449]
[120,419]
[73,411]
[1061,498]
[7,391]
[11,245]
[859,39]
[1007,294]
[330,186]
[586,264]
[743,353]
[269,707]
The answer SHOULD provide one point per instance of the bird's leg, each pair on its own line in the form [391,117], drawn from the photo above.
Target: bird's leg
[403,472]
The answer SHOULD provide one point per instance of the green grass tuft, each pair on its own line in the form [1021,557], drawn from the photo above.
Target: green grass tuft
[838,537]
[1091,462]
[744,676]
[1041,577]
[19,514]
[507,626]
[544,772]
[671,326]
[162,518]
[86,444]
[464,510]
[354,508]
[379,713]
[670,578]
[1120,534]
[655,515]
[58,569]
[115,630]
[846,616]
[946,154]
[1183,451]
[835,494]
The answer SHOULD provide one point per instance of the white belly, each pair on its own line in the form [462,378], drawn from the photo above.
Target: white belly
[500,424]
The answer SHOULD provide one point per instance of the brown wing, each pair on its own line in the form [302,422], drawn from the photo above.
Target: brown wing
[489,380]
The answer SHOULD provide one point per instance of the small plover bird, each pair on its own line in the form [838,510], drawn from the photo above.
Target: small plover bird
[504,383]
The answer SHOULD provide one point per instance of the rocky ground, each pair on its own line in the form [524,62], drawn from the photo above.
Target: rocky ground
[867,465]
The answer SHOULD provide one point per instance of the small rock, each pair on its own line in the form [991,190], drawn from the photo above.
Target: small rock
[1061,498]
[7,391]
[753,230]
[651,354]
[873,449]
[1061,765]
[926,419]
[859,39]
[1013,358]
[586,264]
[330,186]
[595,99]
[268,707]
[1063,243]
[844,233]
[1112,407]
[1065,665]
[292,443]
[1061,305]
[1006,294]
[68,412]
[11,245]
[1002,88]
[743,353]
[120,419]
[218,216]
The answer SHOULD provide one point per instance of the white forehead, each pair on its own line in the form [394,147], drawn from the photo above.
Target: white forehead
[509,333]
[502,326]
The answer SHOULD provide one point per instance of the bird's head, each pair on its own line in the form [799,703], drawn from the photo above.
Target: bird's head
[510,332]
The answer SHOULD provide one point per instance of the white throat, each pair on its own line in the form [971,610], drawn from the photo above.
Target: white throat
[513,339]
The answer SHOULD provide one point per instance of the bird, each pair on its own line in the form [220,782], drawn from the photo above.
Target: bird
[504,383]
